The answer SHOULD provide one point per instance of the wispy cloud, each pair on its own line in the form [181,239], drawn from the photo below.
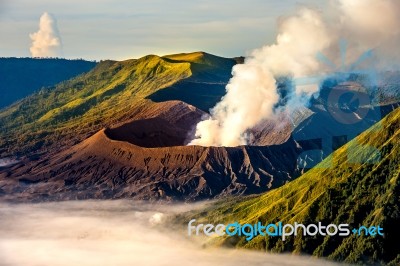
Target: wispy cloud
[125,29]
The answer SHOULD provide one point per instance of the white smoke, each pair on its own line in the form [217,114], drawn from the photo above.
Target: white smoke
[46,42]
[373,24]
[362,16]
[251,94]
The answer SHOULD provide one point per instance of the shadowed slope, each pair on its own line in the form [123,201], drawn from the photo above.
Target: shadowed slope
[207,84]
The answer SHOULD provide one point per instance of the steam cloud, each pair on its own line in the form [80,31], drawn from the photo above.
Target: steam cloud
[46,42]
[252,93]
[113,233]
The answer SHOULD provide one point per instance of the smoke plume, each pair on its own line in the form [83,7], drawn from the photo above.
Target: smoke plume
[252,93]
[46,42]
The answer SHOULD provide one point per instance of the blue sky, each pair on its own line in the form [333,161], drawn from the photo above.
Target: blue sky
[105,29]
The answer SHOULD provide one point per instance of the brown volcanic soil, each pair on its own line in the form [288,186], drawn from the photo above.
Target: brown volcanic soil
[145,159]
[101,167]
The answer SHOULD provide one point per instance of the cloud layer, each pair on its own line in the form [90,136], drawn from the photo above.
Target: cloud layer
[113,233]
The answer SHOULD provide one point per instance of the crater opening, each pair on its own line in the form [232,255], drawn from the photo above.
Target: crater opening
[150,133]
[173,126]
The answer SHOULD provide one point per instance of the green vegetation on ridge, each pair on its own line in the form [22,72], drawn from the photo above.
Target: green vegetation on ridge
[359,184]
[207,84]
[111,92]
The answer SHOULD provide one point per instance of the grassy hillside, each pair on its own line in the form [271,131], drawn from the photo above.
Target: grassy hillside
[110,93]
[359,184]
[207,84]
[20,77]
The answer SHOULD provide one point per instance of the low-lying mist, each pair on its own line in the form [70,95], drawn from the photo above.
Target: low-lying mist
[112,233]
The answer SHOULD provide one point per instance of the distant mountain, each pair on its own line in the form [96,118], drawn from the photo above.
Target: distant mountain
[20,77]
[359,184]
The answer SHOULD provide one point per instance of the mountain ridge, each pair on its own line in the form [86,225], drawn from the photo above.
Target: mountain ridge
[358,184]
[113,102]
[111,92]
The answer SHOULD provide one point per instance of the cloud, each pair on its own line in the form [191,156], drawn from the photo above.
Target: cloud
[253,94]
[102,29]
[114,233]
[46,42]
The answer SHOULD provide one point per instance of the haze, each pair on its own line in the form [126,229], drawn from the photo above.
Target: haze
[112,233]
[107,29]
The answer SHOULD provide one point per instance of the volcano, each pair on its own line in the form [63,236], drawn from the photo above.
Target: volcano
[109,138]
[147,159]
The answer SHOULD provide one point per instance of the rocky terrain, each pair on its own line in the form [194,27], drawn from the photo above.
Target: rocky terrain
[141,159]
